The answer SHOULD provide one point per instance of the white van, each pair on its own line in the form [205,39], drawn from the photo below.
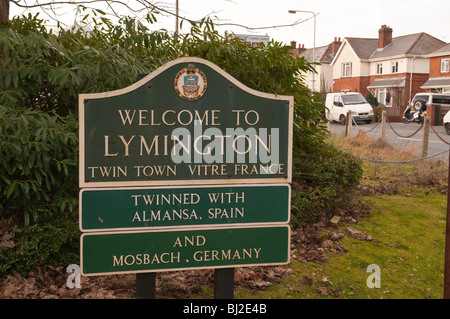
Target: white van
[424,99]
[338,105]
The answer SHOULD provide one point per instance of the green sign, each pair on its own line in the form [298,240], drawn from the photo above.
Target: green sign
[188,122]
[185,169]
[132,252]
[145,208]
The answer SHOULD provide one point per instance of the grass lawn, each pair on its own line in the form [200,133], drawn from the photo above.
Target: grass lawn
[408,245]
[406,227]
[403,236]
[408,238]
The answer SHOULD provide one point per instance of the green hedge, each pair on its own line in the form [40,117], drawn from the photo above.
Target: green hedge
[38,163]
[52,242]
[41,75]
[324,180]
[39,183]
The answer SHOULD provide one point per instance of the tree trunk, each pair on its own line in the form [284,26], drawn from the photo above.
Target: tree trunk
[4,12]
[4,18]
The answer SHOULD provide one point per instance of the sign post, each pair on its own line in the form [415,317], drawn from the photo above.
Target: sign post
[185,169]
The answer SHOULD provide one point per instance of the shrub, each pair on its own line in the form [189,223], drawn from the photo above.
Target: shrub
[52,242]
[41,75]
[371,99]
[39,181]
[38,163]
[47,71]
[324,179]
[379,111]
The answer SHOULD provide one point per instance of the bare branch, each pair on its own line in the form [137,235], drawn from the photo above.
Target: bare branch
[143,5]
[137,7]
[69,2]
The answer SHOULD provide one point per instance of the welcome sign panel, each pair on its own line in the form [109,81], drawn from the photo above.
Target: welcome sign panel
[188,121]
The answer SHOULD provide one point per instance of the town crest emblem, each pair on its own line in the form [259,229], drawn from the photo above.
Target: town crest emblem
[190,83]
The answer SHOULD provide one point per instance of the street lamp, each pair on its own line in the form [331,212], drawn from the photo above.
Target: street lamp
[314,47]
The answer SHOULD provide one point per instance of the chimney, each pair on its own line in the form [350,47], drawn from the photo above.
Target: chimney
[294,52]
[335,45]
[301,48]
[384,36]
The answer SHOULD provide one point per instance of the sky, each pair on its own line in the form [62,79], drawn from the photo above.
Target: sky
[334,18]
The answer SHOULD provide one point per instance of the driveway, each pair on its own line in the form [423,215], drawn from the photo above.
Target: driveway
[397,134]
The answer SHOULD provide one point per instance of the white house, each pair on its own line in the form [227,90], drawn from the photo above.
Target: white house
[323,79]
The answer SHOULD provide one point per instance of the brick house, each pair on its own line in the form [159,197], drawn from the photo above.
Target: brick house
[439,80]
[384,66]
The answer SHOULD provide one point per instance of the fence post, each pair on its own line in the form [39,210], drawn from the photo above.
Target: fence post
[447,242]
[348,124]
[426,136]
[383,125]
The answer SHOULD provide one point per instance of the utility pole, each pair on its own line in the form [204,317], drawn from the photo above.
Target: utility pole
[176,20]
[314,45]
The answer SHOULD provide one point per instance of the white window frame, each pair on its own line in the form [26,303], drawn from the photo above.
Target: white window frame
[445,65]
[380,94]
[394,66]
[346,69]
[379,68]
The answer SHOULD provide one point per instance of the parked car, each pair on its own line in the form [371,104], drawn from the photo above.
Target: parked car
[447,122]
[421,100]
[338,105]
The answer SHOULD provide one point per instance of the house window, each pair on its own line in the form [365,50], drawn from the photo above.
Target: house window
[394,67]
[346,69]
[379,68]
[445,63]
[384,97]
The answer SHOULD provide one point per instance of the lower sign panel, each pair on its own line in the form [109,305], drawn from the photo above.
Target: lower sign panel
[116,209]
[151,251]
